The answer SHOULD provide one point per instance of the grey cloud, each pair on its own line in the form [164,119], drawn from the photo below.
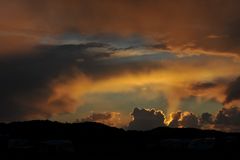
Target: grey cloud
[211,84]
[226,119]
[233,91]
[189,120]
[228,116]
[206,118]
[206,85]
[146,119]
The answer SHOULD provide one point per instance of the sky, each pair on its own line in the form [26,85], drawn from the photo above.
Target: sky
[131,64]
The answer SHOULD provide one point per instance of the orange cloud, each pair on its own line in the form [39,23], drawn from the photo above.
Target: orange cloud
[210,27]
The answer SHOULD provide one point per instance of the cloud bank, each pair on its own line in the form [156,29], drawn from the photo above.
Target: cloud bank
[226,119]
[207,27]
[146,119]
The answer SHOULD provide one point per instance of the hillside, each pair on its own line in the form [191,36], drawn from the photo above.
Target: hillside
[46,138]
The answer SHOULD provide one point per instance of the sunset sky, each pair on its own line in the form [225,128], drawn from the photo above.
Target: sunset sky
[126,63]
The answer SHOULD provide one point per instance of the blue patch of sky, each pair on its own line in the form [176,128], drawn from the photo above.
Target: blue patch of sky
[111,39]
[132,42]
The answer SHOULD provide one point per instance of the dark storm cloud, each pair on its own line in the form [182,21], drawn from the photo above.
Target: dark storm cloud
[233,91]
[26,79]
[47,62]
[146,119]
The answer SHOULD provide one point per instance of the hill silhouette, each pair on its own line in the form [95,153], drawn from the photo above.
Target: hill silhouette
[44,138]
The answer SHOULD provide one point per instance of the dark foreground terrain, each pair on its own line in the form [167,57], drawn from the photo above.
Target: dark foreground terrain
[45,139]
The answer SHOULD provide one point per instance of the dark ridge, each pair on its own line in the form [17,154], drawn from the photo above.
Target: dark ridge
[44,138]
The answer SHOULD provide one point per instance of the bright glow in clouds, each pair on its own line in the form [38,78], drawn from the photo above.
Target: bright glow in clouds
[172,78]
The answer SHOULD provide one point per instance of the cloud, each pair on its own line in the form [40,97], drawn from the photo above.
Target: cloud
[206,118]
[189,120]
[183,120]
[146,119]
[29,82]
[217,87]
[228,119]
[179,49]
[174,119]
[209,27]
[52,79]
[233,91]
[11,42]
[108,118]
[206,85]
